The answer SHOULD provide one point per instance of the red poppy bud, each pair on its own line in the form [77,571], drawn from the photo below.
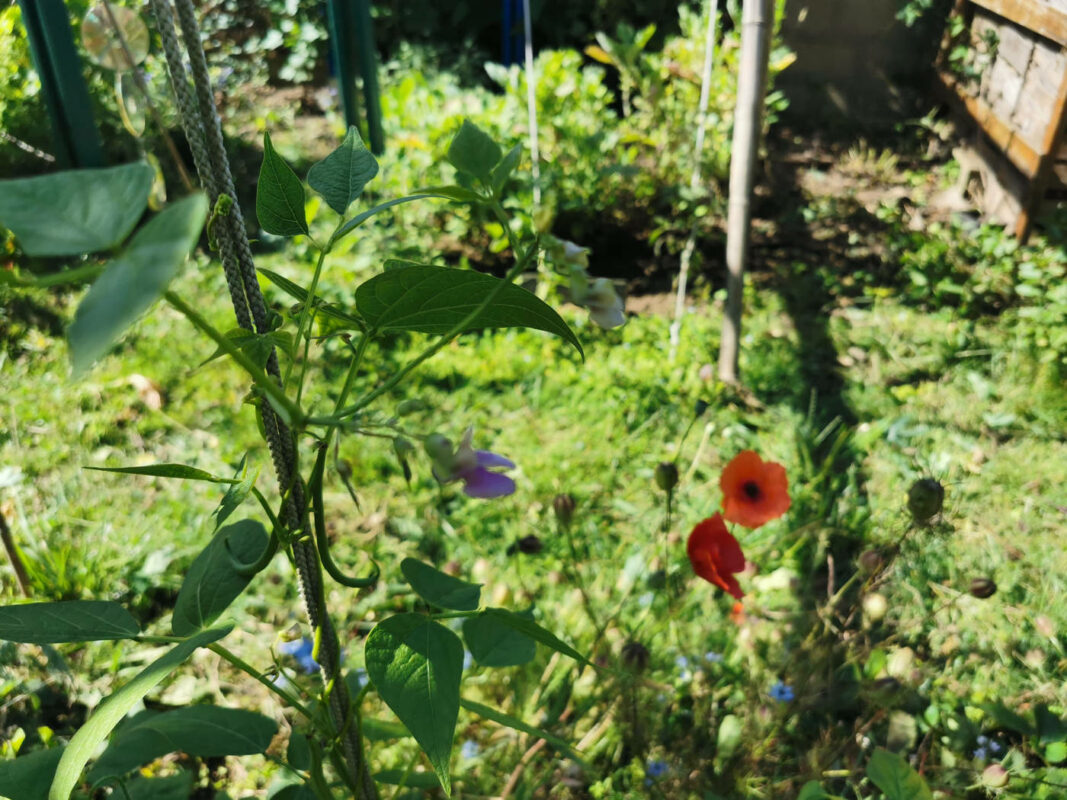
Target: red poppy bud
[666,475]
[716,555]
[870,560]
[983,588]
[635,656]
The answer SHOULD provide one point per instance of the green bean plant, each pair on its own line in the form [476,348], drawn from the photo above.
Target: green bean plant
[414,659]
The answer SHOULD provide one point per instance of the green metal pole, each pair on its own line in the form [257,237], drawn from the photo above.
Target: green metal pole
[74,130]
[341,48]
[368,67]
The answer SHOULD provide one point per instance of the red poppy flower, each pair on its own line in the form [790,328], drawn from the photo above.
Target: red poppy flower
[715,555]
[754,491]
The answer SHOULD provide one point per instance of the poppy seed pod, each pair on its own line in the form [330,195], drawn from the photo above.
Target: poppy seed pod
[870,560]
[564,505]
[635,656]
[983,588]
[666,475]
[995,777]
[925,500]
[528,545]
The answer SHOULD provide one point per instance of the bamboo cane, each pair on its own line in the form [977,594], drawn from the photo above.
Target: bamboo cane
[756,20]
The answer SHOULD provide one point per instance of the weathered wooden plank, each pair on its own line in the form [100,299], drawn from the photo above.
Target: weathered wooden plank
[1003,135]
[1015,46]
[1044,19]
[1037,99]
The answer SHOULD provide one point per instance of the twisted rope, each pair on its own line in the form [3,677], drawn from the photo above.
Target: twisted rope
[203,129]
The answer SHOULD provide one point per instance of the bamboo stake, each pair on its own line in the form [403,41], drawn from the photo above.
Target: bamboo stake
[531,104]
[698,152]
[756,20]
[14,557]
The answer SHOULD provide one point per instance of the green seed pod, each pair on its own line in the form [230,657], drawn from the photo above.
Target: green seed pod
[666,475]
[926,497]
[983,588]
[635,656]
[564,505]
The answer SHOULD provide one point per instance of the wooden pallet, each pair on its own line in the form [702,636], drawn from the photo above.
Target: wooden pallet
[1018,104]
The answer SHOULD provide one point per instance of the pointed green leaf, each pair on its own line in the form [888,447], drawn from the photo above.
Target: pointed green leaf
[894,776]
[415,664]
[28,776]
[509,721]
[237,493]
[458,193]
[179,471]
[812,791]
[362,217]
[173,787]
[494,644]
[341,176]
[202,731]
[257,346]
[527,626]
[439,589]
[428,299]
[212,582]
[411,779]
[67,621]
[279,195]
[473,151]
[75,212]
[110,712]
[135,279]
[505,168]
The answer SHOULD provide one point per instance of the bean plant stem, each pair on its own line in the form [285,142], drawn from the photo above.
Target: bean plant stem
[305,315]
[261,379]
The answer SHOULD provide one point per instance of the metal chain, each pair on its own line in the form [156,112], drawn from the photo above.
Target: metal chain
[203,129]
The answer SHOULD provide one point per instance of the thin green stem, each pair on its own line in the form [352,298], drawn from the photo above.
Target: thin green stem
[306,314]
[353,368]
[521,262]
[261,379]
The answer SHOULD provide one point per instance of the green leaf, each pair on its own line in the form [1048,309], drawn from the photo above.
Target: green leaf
[415,664]
[1050,728]
[439,589]
[505,168]
[27,777]
[67,621]
[300,294]
[135,279]
[433,300]
[527,626]
[1006,718]
[108,714]
[236,494]
[341,176]
[298,753]
[256,346]
[894,776]
[202,731]
[1056,753]
[75,212]
[729,737]
[212,582]
[180,471]
[509,721]
[812,791]
[494,644]
[362,217]
[279,195]
[473,151]
[460,194]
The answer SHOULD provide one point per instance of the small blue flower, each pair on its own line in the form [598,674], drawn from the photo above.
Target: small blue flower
[781,692]
[300,649]
[681,662]
[995,747]
[655,769]
[470,749]
[982,741]
[468,659]
[713,657]
[980,754]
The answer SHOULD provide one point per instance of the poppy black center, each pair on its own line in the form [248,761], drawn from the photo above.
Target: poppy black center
[751,490]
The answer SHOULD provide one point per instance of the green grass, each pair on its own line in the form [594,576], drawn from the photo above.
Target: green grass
[927,395]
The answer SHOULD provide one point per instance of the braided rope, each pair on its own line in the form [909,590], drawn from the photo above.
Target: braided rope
[203,129]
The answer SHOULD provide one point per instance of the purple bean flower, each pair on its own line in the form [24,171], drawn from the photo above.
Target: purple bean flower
[300,649]
[655,769]
[473,467]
